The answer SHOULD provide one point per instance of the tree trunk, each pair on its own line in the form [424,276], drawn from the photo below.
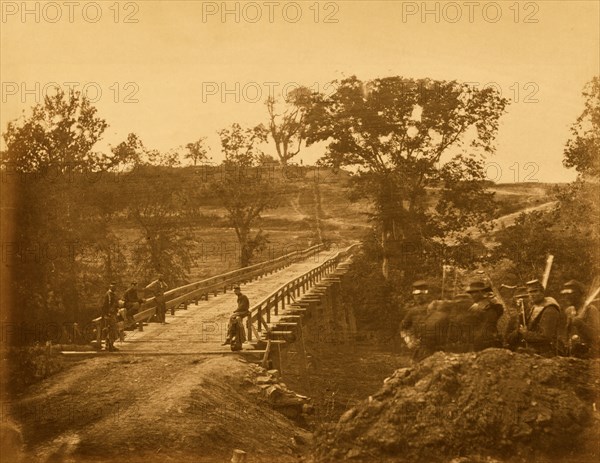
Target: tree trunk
[385,265]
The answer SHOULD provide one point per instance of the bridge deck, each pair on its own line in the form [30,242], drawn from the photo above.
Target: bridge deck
[203,327]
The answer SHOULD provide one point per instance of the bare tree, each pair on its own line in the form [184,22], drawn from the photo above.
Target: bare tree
[287,128]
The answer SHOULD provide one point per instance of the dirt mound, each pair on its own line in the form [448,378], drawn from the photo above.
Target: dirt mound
[476,407]
[151,409]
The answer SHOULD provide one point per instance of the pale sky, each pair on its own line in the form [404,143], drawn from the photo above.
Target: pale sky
[184,64]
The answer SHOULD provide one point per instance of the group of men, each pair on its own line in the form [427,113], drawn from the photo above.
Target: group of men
[472,321]
[117,312]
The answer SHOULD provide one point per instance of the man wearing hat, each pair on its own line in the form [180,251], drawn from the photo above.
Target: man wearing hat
[109,318]
[542,322]
[132,300]
[236,335]
[583,322]
[483,315]
[433,329]
[415,313]
[158,288]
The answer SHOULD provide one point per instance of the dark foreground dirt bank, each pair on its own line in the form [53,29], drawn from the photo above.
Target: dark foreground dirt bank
[479,407]
[155,409]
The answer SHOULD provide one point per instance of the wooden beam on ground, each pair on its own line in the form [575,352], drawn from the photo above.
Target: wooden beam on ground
[88,354]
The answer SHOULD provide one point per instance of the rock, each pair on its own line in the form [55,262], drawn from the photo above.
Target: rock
[347,416]
[264,380]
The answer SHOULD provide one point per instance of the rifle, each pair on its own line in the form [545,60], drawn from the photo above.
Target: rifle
[591,296]
[547,270]
[520,304]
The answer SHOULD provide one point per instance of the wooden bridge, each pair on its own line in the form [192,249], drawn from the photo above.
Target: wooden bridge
[278,291]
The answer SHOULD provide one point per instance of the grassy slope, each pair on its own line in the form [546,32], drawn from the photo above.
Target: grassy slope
[293,224]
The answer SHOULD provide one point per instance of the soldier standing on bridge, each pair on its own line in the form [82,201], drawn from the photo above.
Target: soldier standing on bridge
[109,317]
[236,335]
[158,288]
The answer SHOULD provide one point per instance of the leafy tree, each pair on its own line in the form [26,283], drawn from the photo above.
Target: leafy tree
[242,189]
[128,153]
[288,128]
[197,151]
[52,172]
[158,205]
[59,135]
[158,209]
[132,153]
[394,132]
[582,151]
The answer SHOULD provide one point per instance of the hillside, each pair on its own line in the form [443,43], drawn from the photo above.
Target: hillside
[314,205]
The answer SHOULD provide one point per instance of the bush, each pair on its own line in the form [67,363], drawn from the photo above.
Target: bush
[28,365]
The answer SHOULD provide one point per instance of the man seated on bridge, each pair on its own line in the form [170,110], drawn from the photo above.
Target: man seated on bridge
[132,301]
[236,335]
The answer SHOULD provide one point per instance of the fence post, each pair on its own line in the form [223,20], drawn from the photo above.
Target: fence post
[259,318]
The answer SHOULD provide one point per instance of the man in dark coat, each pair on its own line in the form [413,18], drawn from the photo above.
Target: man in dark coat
[432,329]
[410,324]
[583,322]
[459,330]
[236,335]
[110,305]
[158,288]
[482,317]
[542,322]
[132,300]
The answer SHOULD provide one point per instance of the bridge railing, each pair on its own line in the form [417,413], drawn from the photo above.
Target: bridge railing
[260,313]
[199,289]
